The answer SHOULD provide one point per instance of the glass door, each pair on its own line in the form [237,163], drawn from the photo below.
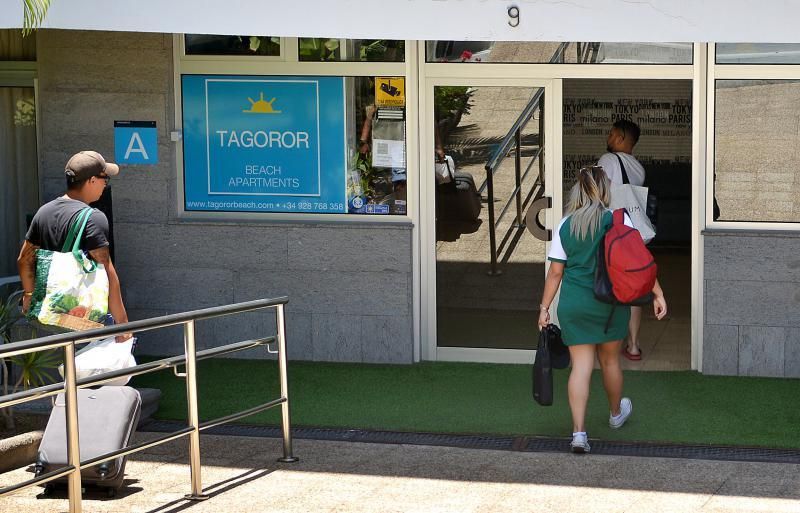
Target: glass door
[492,175]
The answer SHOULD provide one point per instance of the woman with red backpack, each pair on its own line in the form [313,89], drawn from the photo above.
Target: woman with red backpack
[589,327]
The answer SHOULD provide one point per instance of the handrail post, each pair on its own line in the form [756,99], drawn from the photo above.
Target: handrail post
[541,139]
[518,175]
[286,424]
[190,353]
[73,439]
[493,271]
[69,388]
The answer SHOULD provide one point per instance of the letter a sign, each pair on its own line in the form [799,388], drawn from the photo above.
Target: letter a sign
[135,142]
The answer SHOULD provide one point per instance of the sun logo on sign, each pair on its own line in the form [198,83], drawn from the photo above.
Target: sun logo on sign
[261,106]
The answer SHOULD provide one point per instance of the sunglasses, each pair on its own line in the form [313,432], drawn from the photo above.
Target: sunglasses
[104,177]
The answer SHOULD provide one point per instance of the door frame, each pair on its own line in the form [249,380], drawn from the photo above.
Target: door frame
[553,178]
[549,76]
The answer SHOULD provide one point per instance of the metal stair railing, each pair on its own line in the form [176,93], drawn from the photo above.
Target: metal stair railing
[586,52]
[189,359]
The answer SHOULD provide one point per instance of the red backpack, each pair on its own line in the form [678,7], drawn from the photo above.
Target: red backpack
[626,271]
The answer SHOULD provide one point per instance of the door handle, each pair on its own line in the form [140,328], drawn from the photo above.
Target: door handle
[532,218]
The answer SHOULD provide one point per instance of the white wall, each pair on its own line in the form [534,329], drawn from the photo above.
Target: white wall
[577,20]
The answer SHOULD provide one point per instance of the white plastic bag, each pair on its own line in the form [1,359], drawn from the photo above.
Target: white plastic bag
[104,355]
[444,170]
[633,199]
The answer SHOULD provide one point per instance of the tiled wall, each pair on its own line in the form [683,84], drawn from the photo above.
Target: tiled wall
[752,304]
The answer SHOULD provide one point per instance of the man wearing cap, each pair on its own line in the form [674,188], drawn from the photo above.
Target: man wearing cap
[87,174]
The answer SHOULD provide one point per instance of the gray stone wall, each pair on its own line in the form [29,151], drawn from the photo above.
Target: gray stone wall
[350,286]
[752,301]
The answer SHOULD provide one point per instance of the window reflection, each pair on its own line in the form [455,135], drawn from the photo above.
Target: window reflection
[758,53]
[376,180]
[350,50]
[203,44]
[756,150]
[560,53]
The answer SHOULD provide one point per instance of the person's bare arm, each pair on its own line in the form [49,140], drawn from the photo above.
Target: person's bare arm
[366,130]
[115,304]
[659,302]
[551,284]
[26,264]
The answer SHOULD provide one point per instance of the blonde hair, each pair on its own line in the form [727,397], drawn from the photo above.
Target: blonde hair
[588,201]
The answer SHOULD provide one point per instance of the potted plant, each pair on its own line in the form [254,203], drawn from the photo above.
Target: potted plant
[33,369]
[450,103]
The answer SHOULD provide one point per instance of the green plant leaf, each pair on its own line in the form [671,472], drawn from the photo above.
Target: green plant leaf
[34,367]
[9,315]
[34,12]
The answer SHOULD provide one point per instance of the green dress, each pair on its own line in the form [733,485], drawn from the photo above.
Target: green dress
[582,317]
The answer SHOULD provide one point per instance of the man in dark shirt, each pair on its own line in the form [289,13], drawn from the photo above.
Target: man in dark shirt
[87,174]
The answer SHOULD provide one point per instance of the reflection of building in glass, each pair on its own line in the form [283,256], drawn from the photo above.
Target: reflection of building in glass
[562,53]
[755,147]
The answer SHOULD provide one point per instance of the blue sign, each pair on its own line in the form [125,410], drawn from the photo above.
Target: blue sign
[377,209]
[135,142]
[264,144]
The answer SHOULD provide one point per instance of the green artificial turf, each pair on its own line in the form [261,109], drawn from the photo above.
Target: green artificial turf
[681,407]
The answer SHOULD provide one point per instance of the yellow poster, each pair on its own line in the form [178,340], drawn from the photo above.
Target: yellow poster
[390,92]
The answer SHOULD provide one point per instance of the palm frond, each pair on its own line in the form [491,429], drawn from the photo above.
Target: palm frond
[34,14]
[9,315]
[33,367]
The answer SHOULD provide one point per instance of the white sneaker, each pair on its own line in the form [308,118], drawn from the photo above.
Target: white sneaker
[580,443]
[625,409]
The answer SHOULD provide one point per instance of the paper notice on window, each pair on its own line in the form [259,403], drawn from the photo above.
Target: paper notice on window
[388,153]
[388,143]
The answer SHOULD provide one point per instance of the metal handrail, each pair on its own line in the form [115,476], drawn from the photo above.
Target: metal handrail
[7,280]
[510,138]
[587,51]
[71,384]
[500,153]
[513,138]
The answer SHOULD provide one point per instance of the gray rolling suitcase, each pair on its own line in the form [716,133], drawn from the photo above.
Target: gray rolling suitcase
[107,417]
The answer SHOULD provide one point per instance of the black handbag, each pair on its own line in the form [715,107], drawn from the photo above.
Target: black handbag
[559,352]
[458,199]
[543,371]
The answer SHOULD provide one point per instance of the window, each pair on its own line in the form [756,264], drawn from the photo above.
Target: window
[561,53]
[351,50]
[758,53]
[755,150]
[294,144]
[202,44]
[281,137]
